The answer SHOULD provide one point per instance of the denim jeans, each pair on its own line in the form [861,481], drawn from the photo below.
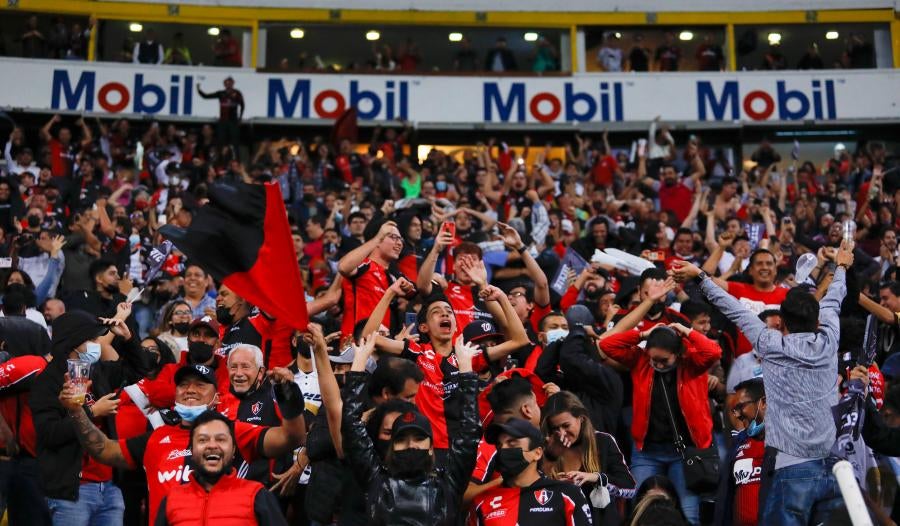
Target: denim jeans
[802,494]
[663,459]
[20,488]
[98,504]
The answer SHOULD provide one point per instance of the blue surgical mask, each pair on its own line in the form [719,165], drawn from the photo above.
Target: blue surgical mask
[440,186]
[91,352]
[189,413]
[556,334]
[755,429]
[134,239]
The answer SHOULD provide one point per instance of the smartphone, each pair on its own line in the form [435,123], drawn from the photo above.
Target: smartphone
[657,255]
[641,147]
[410,319]
[5,262]
[450,227]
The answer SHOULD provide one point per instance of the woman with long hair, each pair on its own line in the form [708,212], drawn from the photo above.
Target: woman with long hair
[174,327]
[590,459]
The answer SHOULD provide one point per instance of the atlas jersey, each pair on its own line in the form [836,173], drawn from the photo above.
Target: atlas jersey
[16,375]
[746,473]
[164,453]
[545,503]
[362,292]
[438,398]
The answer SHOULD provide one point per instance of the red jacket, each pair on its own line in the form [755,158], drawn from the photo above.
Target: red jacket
[700,353]
[230,501]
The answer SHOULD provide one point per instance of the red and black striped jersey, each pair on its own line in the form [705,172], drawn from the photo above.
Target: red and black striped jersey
[547,502]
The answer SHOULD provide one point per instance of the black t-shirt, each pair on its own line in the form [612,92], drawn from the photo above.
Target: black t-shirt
[659,429]
[639,59]
[241,332]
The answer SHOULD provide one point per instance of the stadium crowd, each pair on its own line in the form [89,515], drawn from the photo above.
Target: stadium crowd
[498,337]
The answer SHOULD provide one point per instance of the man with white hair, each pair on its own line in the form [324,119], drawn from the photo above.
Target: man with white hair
[252,400]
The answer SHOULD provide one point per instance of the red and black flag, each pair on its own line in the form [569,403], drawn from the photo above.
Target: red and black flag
[243,239]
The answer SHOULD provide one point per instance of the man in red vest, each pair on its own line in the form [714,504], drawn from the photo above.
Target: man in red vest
[215,495]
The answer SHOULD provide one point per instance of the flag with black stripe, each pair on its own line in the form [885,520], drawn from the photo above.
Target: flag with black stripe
[242,237]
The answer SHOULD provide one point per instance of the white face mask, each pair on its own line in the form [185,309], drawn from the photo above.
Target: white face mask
[91,352]
[556,334]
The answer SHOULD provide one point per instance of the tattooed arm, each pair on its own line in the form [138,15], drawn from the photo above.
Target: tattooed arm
[97,444]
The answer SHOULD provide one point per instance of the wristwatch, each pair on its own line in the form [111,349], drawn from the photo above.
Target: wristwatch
[522,248]
[701,276]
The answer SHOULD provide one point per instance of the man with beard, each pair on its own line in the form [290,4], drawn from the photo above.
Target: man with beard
[526,497]
[163,451]
[215,483]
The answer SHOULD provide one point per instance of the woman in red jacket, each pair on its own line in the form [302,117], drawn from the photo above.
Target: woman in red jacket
[669,372]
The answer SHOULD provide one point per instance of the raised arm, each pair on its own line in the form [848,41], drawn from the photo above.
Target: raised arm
[331,298]
[291,433]
[750,324]
[401,287]
[45,130]
[657,291]
[883,314]
[348,264]
[328,386]
[358,447]
[443,240]
[830,306]
[513,241]
[514,330]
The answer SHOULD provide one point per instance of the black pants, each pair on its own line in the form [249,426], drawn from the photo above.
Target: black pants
[20,491]
[228,133]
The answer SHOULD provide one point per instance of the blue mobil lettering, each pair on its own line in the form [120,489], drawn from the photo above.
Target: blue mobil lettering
[818,102]
[575,106]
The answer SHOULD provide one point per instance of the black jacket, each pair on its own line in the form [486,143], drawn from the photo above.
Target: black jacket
[598,386]
[59,452]
[432,500]
[877,435]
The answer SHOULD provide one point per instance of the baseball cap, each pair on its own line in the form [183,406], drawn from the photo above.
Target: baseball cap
[567,226]
[514,427]
[205,321]
[200,371]
[411,420]
[345,356]
[479,330]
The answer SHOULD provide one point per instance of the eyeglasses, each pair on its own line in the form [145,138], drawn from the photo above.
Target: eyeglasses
[153,349]
[739,407]
[516,294]
[395,238]
[181,313]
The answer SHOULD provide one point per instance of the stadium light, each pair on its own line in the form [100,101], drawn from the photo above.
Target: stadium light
[618,35]
[832,35]
[297,33]
[531,36]
[685,35]
[373,35]
[455,37]
[774,38]
[213,31]
[134,27]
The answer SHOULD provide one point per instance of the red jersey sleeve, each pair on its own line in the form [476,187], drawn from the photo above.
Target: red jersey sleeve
[537,314]
[569,298]
[485,455]
[160,390]
[250,440]
[623,347]
[411,351]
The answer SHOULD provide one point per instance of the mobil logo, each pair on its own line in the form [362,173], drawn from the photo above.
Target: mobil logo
[80,91]
[381,100]
[601,102]
[793,101]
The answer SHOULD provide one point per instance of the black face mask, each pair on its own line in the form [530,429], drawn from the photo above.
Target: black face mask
[181,327]
[34,221]
[223,315]
[112,289]
[199,352]
[593,293]
[410,463]
[163,295]
[340,378]
[510,462]
[303,350]
[657,308]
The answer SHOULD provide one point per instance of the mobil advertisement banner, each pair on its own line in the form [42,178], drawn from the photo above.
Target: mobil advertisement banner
[167,92]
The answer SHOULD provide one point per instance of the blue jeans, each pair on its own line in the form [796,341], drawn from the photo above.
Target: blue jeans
[802,494]
[663,459]
[98,504]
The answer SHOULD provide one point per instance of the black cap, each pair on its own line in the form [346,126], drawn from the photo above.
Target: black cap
[516,428]
[411,420]
[200,371]
[479,330]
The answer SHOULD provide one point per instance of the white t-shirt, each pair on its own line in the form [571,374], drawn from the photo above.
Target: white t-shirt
[610,58]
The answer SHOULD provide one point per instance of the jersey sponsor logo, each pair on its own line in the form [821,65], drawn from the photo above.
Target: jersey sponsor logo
[497,514]
[166,440]
[541,509]
[256,408]
[543,496]
[182,474]
[178,453]
[496,502]
[745,472]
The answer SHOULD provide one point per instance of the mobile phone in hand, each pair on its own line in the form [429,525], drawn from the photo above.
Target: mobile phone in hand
[450,227]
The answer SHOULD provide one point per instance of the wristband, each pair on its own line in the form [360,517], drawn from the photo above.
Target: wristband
[290,399]
[522,249]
